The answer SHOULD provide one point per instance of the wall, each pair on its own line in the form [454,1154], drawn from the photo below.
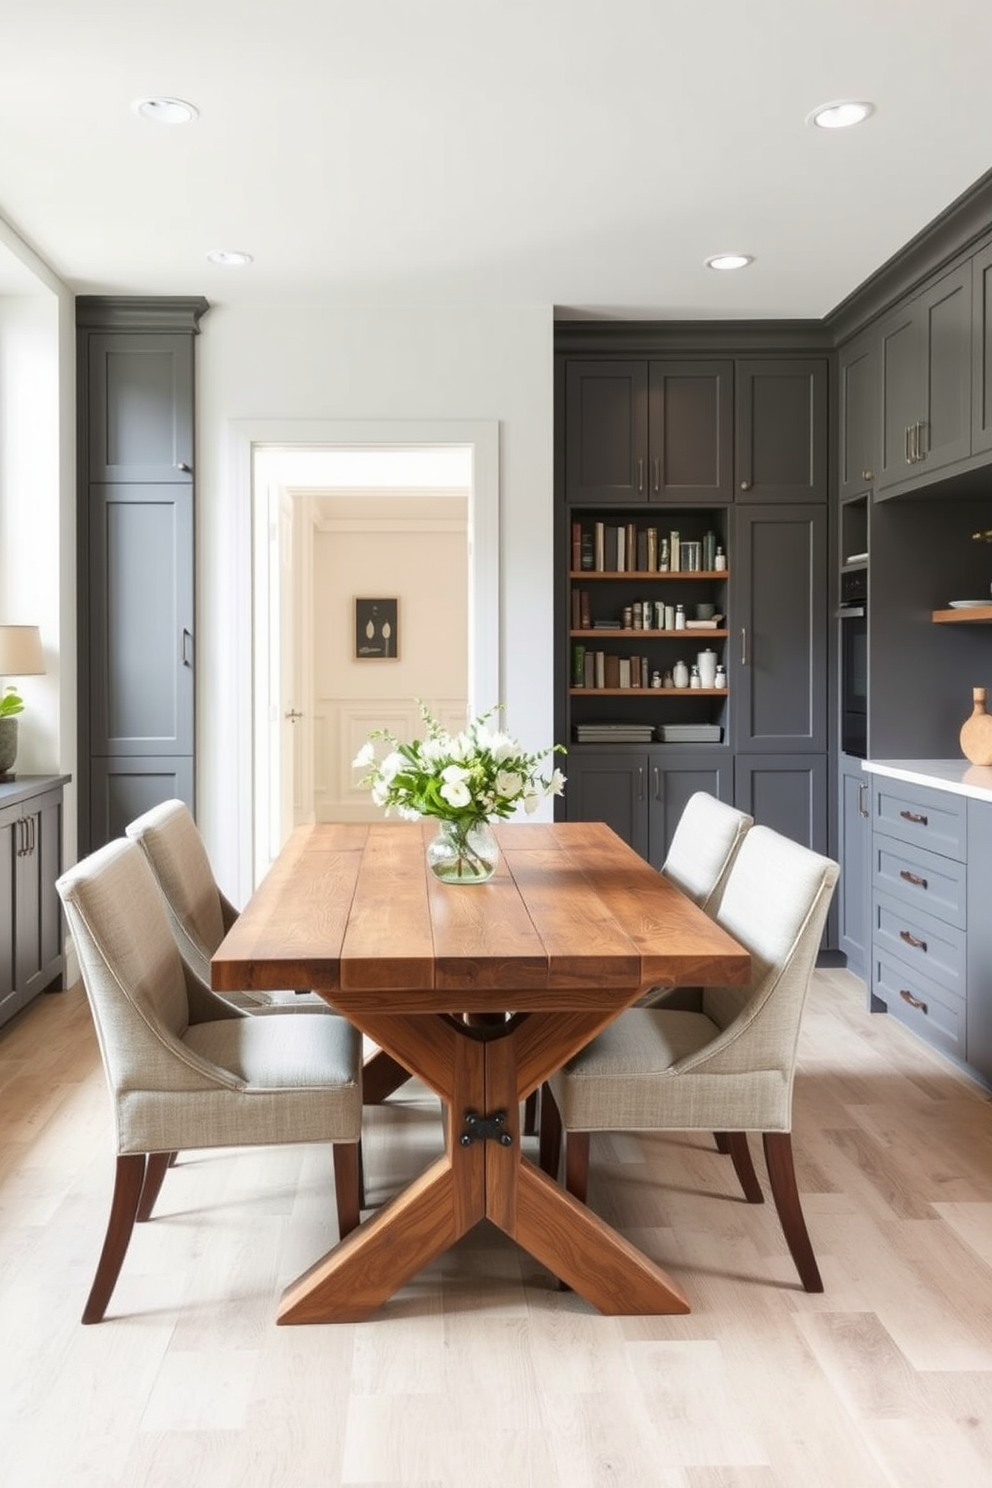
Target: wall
[361,364]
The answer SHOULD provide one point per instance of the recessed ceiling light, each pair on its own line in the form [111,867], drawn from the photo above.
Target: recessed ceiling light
[840,115]
[165,110]
[729,261]
[229,258]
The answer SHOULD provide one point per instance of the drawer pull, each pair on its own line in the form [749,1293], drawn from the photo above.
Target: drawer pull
[919,945]
[914,816]
[913,878]
[913,1001]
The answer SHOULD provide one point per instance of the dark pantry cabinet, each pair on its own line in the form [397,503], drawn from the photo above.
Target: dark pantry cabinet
[136,546]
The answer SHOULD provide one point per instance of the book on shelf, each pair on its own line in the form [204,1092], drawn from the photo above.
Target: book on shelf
[599,552]
[643,566]
[589,670]
[611,669]
[610,549]
[576,609]
[584,609]
[600,669]
[674,553]
[713,624]
[576,546]
[623,679]
[631,546]
[578,666]
[621,550]
[588,554]
[652,549]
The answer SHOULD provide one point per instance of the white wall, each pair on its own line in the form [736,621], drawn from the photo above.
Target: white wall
[361,364]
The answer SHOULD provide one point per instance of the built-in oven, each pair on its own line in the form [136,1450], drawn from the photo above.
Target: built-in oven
[853,616]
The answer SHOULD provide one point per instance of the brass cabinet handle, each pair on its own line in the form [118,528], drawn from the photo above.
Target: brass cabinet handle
[915,817]
[913,1001]
[912,878]
[911,940]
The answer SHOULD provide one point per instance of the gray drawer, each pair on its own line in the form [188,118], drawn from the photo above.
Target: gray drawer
[919,940]
[924,880]
[936,820]
[923,1005]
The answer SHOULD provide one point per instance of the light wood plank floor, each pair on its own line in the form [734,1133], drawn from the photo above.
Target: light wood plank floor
[482,1374]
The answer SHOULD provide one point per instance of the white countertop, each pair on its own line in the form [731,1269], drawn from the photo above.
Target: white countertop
[955,775]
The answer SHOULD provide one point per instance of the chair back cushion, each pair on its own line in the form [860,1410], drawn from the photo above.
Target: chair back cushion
[170,840]
[132,971]
[703,848]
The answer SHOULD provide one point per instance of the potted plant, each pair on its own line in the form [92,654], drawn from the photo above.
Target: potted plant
[11,703]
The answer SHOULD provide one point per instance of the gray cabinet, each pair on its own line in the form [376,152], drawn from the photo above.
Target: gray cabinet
[924,349]
[778,644]
[641,794]
[31,954]
[981,353]
[136,546]
[781,430]
[649,430]
[853,852]
[787,792]
[857,432]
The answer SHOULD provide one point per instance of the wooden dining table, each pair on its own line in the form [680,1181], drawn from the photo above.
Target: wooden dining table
[482,991]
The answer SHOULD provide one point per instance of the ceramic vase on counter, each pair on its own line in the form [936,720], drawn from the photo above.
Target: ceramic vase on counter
[976,731]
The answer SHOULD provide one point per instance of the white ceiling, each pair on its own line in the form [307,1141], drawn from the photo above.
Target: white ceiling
[586,154]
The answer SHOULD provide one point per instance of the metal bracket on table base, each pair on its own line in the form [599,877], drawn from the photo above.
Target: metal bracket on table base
[485,1129]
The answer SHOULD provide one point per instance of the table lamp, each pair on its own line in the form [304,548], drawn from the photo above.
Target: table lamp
[20,656]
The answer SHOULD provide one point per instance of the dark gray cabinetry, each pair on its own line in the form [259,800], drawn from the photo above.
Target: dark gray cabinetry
[858,427]
[924,368]
[31,955]
[781,430]
[981,348]
[136,546]
[978,1020]
[649,430]
[853,852]
[641,794]
[778,645]
[787,792]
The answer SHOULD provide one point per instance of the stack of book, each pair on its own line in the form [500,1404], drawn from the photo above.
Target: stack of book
[613,733]
[689,733]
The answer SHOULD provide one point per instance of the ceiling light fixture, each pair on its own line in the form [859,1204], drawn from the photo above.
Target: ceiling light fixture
[165,110]
[840,115]
[229,258]
[729,261]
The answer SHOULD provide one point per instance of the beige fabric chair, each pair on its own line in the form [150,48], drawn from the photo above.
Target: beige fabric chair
[728,1069]
[185,1069]
[700,857]
[200,915]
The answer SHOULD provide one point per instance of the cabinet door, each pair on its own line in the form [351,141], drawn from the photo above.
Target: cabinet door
[690,432]
[781,435]
[778,648]
[121,789]
[140,593]
[981,342]
[606,431]
[610,787]
[858,419]
[8,847]
[37,925]
[787,792]
[672,780]
[945,323]
[140,398]
[853,888]
[900,394]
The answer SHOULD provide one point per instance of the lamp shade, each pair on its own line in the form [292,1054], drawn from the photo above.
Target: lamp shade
[20,651]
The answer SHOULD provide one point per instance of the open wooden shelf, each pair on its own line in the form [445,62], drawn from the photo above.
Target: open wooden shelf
[975,616]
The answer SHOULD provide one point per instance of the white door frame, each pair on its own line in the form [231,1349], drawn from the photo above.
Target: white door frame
[485,681]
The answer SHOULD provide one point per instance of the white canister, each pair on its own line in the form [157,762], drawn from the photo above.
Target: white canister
[680,674]
[706,662]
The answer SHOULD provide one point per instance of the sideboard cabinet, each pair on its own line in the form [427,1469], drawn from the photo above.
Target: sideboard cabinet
[31,940]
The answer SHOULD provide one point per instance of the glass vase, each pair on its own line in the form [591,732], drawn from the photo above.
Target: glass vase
[463,852]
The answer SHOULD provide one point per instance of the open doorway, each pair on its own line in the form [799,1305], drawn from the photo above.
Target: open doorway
[303,494]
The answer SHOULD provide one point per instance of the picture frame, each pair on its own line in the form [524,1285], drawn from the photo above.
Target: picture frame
[377,629]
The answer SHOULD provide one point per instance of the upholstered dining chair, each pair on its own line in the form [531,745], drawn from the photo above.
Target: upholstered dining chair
[185,1069]
[728,1069]
[199,913]
[700,856]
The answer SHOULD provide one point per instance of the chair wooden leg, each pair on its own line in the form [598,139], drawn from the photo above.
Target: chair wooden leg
[782,1177]
[346,1166]
[156,1167]
[531,1113]
[128,1183]
[577,1164]
[722,1142]
[740,1153]
[549,1149]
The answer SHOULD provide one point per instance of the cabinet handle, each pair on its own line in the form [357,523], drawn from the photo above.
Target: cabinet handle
[186,469]
[640,476]
[657,473]
[911,940]
[912,878]
[913,816]
[32,834]
[743,645]
[745,485]
[868,475]
[906,445]
[186,648]
[640,782]
[862,797]
[913,1001]
[21,838]
[657,783]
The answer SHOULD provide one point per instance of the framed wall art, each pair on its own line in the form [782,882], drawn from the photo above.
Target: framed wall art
[377,629]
